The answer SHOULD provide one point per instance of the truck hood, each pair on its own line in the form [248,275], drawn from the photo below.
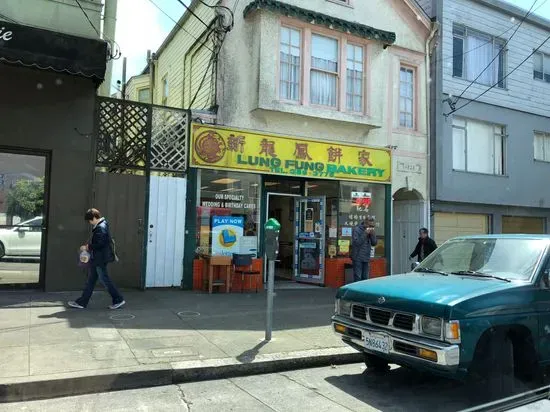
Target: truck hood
[422,293]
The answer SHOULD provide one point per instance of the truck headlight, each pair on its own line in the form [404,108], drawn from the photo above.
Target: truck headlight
[452,331]
[431,326]
[343,307]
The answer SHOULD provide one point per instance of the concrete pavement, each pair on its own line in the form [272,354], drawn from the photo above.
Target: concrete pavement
[340,388]
[160,337]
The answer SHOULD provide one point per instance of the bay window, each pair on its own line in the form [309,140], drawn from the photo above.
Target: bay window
[473,54]
[354,93]
[321,69]
[290,65]
[478,147]
[324,70]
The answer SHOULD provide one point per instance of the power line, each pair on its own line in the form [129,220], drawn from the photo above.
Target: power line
[498,82]
[88,18]
[499,53]
[192,12]
[179,25]
[487,42]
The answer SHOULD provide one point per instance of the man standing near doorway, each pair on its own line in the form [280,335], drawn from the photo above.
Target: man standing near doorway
[101,249]
[425,246]
[363,240]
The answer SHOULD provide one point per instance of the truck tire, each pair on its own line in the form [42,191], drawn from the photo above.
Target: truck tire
[493,374]
[376,364]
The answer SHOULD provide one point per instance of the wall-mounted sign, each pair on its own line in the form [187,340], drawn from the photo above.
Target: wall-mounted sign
[361,200]
[223,148]
[227,232]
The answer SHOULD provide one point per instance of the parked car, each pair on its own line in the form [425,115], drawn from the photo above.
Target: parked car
[22,240]
[476,309]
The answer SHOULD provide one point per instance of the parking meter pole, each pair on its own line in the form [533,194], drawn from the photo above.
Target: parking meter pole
[272,228]
[270,292]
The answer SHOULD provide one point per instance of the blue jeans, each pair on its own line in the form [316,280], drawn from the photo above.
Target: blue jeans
[360,271]
[101,272]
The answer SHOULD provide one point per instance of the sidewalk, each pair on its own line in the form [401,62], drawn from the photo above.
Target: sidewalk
[159,337]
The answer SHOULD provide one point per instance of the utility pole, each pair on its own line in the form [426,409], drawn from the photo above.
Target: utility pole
[124,78]
[108,34]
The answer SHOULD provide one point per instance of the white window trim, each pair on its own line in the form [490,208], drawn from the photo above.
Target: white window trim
[504,147]
[494,41]
[414,99]
[301,76]
[545,155]
[543,80]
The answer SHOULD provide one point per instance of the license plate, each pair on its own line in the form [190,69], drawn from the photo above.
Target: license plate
[378,342]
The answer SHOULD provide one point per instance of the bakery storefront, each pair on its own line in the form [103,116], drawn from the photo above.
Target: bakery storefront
[317,190]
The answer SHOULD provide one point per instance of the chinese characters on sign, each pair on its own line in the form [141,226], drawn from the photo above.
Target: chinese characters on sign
[220,148]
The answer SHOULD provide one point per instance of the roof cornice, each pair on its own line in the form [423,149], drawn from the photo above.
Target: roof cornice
[333,23]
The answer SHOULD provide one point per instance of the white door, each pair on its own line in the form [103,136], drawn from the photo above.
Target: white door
[408,218]
[166,231]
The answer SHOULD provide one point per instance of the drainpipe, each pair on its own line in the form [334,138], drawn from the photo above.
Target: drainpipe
[429,48]
[109,29]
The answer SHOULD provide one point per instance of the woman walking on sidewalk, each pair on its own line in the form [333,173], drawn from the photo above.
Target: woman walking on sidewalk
[102,253]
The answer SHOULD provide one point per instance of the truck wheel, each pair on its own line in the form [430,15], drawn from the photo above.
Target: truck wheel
[376,364]
[493,368]
[500,375]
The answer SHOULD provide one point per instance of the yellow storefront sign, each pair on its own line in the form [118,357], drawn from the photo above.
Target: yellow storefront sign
[216,147]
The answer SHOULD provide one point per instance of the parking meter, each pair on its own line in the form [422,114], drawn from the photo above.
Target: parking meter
[272,228]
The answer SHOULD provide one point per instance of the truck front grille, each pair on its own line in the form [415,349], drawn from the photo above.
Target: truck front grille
[403,321]
[359,312]
[380,317]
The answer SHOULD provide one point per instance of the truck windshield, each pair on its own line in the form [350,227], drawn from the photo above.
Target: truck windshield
[513,259]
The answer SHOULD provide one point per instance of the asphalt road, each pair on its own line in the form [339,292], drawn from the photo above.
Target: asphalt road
[19,272]
[341,388]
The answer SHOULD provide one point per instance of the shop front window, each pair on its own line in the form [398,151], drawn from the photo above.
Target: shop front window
[331,190]
[359,201]
[228,213]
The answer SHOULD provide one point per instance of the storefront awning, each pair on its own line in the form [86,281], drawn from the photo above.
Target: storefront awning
[308,16]
[48,50]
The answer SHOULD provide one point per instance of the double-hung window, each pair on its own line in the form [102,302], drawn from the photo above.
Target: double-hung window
[354,69]
[541,67]
[406,97]
[290,64]
[321,69]
[478,56]
[324,71]
[478,147]
[542,146]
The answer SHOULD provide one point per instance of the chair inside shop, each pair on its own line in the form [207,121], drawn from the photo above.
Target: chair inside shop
[242,265]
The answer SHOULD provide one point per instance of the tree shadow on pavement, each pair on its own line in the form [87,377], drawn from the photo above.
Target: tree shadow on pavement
[403,389]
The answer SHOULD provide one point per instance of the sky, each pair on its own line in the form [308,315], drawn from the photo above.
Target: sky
[142,26]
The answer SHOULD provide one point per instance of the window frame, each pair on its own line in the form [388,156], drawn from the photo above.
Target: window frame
[546,137]
[414,71]
[504,144]
[307,30]
[499,82]
[301,74]
[543,56]
[363,51]
[165,89]
[141,89]
[337,73]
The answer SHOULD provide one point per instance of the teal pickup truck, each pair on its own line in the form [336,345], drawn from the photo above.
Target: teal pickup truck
[477,308]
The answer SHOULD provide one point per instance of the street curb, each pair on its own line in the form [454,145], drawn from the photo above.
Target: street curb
[73,384]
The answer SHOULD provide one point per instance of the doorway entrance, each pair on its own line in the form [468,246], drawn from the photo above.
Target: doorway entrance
[23,183]
[301,238]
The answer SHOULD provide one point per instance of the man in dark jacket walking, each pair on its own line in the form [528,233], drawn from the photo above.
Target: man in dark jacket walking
[102,253]
[425,246]
[363,240]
